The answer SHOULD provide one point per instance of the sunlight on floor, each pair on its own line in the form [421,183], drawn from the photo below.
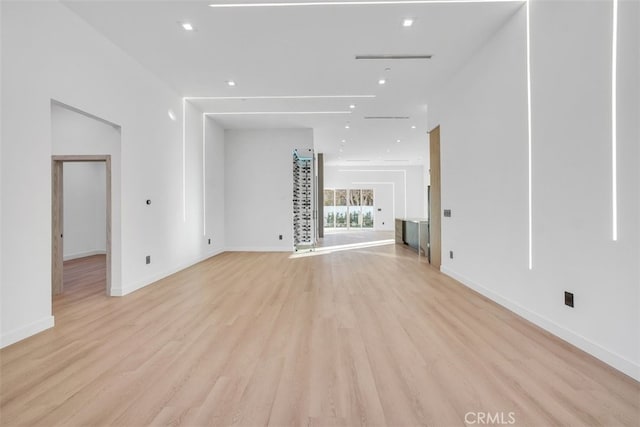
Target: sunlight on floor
[330,249]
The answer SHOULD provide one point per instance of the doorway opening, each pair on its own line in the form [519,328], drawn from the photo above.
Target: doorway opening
[92,266]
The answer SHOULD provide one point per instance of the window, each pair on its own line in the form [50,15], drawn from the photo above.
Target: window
[329,208]
[341,209]
[348,209]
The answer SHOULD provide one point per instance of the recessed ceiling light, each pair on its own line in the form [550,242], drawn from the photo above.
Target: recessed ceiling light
[172,115]
[413,127]
[347,126]
[381,81]
[187,26]
[397,140]
[231,83]
[344,140]
[352,106]
[407,22]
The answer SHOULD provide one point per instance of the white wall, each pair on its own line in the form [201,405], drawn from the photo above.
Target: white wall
[483,118]
[48,53]
[399,191]
[85,223]
[215,187]
[73,133]
[259,187]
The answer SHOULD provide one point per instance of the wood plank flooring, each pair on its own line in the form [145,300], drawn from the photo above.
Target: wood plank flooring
[337,238]
[373,336]
[84,279]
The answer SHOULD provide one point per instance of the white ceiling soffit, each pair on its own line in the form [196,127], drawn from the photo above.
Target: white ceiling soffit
[301,60]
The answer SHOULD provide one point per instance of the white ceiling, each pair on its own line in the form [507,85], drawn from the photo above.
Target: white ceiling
[310,50]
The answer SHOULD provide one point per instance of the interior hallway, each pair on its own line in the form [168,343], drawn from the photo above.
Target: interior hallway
[366,336]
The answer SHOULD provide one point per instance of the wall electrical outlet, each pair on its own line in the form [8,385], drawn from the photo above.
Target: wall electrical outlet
[451,254]
[209,241]
[280,237]
[568,298]
[447,213]
[148,259]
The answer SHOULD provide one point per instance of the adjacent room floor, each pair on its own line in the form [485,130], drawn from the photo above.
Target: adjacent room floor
[365,336]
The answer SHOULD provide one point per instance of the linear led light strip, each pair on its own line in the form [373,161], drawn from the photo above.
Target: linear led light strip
[204,175]
[189,98]
[240,113]
[529,140]
[614,124]
[354,3]
[184,160]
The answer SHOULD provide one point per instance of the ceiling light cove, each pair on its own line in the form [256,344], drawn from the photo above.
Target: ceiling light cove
[353,3]
[387,56]
[214,98]
[241,113]
[407,22]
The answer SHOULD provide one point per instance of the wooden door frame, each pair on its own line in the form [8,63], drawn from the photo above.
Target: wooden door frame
[57,216]
[435,211]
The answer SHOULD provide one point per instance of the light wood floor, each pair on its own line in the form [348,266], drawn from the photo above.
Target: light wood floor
[84,279]
[337,238]
[371,336]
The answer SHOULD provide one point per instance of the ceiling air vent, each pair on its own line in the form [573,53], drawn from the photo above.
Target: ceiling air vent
[389,56]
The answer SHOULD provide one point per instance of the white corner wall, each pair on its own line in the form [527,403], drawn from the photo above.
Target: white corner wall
[483,116]
[214,191]
[259,187]
[48,53]
[399,191]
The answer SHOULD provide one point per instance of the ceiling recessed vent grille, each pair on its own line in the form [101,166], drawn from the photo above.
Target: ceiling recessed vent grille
[390,56]
[386,117]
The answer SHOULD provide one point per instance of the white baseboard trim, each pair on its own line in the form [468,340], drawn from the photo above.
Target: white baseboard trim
[258,249]
[610,358]
[125,290]
[26,331]
[83,254]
